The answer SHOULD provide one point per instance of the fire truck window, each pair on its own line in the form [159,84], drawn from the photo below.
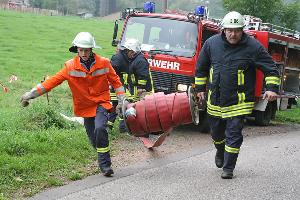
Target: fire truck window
[163,36]
[207,34]
[159,37]
[134,30]
[291,82]
[158,34]
[154,34]
[276,51]
[293,58]
[178,37]
[189,39]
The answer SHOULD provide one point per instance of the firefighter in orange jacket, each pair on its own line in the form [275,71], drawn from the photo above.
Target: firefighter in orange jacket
[89,76]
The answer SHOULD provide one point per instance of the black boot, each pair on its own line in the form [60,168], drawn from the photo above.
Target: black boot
[227,174]
[219,158]
[229,165]
[106,171]
[105,164]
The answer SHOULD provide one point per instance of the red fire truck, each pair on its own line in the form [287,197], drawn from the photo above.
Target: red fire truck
[172,42]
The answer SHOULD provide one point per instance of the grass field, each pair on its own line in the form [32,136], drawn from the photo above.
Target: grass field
[290,115]
[38,148]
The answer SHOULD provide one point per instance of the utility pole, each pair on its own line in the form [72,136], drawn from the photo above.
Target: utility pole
[104,6]
[165,5]
[112,6]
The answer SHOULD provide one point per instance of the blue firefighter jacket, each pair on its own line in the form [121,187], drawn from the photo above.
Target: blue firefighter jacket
[229,73]
[134,73]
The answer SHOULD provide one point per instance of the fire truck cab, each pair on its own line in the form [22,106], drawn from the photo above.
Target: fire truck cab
[172,41]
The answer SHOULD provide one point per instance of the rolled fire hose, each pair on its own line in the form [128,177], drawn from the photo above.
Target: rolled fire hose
[158,114]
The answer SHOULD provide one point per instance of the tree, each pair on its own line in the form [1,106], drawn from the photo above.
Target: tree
[264,9]
[97,8]
[271,11]
[36,3]
[3,1]
[87,5]
[290,15]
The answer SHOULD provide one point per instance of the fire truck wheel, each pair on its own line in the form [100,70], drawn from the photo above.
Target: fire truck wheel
[263,118]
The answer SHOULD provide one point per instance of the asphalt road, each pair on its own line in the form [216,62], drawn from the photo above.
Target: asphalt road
[268,168]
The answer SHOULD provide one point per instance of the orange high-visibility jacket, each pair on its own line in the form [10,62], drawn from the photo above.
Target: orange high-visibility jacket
[89,88]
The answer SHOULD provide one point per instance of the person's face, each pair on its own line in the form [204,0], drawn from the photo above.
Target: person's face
[233,35]
[84,53]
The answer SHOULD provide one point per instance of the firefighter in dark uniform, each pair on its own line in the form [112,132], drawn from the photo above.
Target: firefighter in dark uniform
[227,68]
[133,70]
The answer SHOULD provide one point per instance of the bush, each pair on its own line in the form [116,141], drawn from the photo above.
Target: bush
[37,116]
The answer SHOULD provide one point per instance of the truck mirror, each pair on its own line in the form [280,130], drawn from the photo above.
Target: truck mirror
[115,34]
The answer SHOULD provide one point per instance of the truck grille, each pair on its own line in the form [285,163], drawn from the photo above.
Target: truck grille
[166,82]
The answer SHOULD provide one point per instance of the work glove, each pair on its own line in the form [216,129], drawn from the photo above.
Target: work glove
[141,93]
[119,110]
[26,97]
[120,105]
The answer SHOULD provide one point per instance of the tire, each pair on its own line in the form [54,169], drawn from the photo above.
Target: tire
[263,118]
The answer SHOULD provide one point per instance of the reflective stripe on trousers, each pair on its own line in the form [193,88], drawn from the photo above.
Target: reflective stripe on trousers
[229,130]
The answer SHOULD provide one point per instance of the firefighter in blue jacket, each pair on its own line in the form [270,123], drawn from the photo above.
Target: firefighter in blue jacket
[226,67]
[133,70]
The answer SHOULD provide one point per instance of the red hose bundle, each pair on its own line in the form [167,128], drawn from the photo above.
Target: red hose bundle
[158,113]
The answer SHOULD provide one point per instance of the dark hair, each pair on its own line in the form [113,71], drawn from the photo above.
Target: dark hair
[73,49]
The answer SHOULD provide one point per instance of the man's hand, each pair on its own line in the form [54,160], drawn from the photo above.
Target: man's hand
[119,109]
[201,99]
[270,96]
[201,96]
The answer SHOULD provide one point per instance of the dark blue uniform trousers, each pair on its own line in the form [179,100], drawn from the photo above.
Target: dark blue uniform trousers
[98,135]
[112,118]
[227,137]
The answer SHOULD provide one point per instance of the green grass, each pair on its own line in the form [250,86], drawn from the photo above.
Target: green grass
[290,115]
[38,148]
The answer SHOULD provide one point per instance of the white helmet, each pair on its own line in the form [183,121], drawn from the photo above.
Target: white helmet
[83,40]
[132,44]
[233,20]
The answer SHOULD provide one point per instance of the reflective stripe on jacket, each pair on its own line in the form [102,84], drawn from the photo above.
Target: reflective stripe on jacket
[134,74]
[89,88]
[230,72]
[139,76]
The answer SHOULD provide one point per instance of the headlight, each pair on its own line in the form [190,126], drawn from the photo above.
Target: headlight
[182,87]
